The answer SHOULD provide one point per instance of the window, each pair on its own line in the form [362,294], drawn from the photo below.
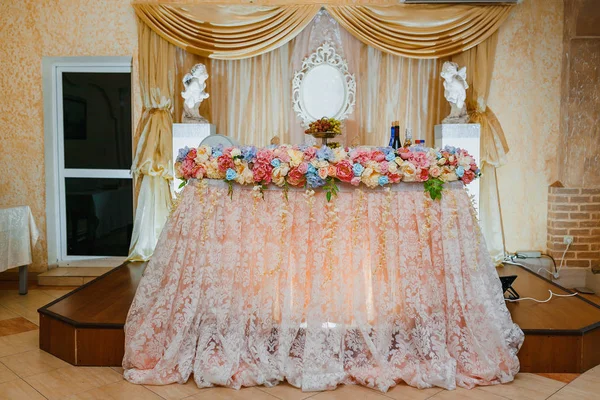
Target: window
[89,146]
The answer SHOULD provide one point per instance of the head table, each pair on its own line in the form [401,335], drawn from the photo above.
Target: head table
[374,287]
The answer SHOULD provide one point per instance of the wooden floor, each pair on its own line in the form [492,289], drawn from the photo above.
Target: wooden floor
[85,327]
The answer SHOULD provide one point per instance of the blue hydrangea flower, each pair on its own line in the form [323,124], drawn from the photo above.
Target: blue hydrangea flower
[383,180]
[418,147]
[182,154]
[248,153]
[390,156]
[460,171]
[314,180]
[230,174]
[450,149]
[311,169]
[217,151]
[357,169]
[325,153]
[438,155]
[276,162]
[477,171]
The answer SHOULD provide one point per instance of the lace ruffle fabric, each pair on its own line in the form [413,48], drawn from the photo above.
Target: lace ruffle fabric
[373,288]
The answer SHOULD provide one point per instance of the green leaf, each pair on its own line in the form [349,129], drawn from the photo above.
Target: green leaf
[434,187]
[182,184]
[328,196]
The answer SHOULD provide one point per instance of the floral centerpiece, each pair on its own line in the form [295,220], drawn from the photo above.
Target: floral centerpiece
[312,167]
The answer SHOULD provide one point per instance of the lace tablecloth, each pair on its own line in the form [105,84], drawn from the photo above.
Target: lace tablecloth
[18,236]
[372,288]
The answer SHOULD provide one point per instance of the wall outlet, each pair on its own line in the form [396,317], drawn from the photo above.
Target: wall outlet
[567,239]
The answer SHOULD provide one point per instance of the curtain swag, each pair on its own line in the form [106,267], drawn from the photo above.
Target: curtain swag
[230,32]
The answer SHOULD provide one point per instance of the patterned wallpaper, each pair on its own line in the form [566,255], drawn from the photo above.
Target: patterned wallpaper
[525,95]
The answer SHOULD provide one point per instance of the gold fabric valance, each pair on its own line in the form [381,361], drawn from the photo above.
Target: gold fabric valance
[230,32]
[226,32]
[421,30]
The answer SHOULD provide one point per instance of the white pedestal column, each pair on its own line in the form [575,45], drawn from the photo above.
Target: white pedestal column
[189,135]
[465,136]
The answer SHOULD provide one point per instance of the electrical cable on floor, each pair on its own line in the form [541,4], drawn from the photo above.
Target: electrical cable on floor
[552,294]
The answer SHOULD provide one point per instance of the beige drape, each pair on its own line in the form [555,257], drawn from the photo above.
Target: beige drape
[480,65]
[152,166]
[391,88]
[252,97]
[235,32]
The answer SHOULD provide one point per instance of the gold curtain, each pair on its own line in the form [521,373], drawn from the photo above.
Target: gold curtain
[241,31]
[480,65]
[152,166]
[226,32]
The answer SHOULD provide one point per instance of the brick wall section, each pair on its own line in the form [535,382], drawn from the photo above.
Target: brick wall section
[574,212]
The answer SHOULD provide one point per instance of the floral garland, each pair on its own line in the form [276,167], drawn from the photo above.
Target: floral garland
[312,167]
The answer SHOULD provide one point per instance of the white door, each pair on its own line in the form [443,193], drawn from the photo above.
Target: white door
[93,143]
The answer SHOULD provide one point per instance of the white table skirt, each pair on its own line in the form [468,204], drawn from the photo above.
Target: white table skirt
[18,236]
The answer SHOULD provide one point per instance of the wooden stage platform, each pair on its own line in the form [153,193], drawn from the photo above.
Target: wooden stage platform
[85,327]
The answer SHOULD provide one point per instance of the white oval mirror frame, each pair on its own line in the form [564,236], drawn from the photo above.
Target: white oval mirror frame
[323,87]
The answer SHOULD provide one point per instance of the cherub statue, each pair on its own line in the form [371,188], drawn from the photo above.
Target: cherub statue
[193,94]
[455,85]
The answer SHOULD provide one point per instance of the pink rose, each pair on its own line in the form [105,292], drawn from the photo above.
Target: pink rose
[420,160]
[473,167]
[225,162]
[377,156]
[262,172]
[355,181]
[424,174]
[227,151]
[282,154]
[310,153]
[383,167]
[264,155]
[344,171]
[303,167]
[359,156]
[295,177]
[188,168]
[468,176]
[191,154]
[404,153]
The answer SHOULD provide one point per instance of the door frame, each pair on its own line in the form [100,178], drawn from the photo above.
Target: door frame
[52,69]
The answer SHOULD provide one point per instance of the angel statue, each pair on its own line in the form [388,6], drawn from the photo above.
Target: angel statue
[194,84]
[455,85]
